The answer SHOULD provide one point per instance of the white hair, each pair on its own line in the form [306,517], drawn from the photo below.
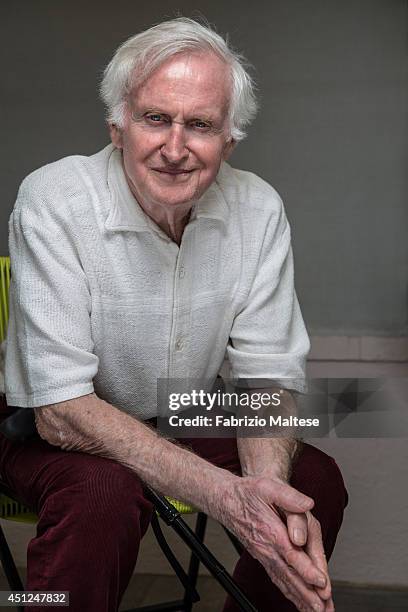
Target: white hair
[137,58]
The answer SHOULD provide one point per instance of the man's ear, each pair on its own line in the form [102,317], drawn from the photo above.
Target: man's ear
[228,148]
[116,135]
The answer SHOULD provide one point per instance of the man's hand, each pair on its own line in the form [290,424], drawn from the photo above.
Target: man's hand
[251,511]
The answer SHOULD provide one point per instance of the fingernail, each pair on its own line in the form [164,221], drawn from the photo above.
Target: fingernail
[299,535]
[318,608]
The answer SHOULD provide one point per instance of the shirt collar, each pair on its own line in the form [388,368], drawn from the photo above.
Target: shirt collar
[127,215]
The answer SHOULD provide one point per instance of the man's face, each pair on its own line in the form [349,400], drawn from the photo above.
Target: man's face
[176,132]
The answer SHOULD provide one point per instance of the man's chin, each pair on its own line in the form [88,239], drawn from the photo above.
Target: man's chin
[176,197]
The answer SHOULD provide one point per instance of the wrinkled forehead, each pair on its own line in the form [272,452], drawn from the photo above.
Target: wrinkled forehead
[194,80]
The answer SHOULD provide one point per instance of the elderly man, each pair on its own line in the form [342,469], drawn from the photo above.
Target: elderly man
[148,260]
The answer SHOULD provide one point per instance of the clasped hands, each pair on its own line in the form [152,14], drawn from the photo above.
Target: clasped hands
[275,524]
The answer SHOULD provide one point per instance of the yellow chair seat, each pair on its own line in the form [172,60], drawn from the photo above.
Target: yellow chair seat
[12,510]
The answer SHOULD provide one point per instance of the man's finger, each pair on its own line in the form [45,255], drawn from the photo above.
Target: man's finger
[294,588]
[329,605]
[296,558]
[288,498]
[315,550]
[305,567]
[297,528]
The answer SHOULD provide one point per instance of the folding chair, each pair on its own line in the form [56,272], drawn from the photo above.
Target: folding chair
[21,424]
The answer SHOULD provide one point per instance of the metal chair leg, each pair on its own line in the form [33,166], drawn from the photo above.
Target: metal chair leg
[9,567]
[194,565]
[185,579]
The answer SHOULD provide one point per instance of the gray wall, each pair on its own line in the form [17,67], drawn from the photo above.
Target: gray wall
[331,135]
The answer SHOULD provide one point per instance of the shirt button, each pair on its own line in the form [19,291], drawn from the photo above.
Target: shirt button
[179,344]
[182,272]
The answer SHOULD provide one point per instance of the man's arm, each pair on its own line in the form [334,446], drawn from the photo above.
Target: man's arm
[89,424]
[273,458]
[266,456]
[244,505]
[270,455]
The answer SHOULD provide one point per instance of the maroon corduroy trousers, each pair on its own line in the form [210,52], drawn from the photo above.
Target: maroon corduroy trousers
[93,514]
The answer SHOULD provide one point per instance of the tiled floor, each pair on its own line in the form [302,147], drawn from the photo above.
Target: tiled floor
[146,589]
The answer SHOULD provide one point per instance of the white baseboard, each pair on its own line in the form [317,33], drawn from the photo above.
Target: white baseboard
[359,348]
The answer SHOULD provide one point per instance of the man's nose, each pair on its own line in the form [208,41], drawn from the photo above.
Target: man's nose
[174,148]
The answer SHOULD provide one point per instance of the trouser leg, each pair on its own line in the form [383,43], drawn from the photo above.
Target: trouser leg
[92,515]
[315,474]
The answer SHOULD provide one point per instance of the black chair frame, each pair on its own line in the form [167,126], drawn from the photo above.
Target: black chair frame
[193,539]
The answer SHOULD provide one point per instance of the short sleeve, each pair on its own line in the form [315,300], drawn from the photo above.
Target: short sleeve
[268,339]
[49,352]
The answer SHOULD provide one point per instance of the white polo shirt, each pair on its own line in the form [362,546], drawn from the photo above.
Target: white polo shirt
[103,300]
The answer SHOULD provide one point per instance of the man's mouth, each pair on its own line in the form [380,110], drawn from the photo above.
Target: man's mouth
[174,171]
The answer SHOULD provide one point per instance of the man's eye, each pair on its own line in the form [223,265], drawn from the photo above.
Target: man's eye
[201,125]
[155,118]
